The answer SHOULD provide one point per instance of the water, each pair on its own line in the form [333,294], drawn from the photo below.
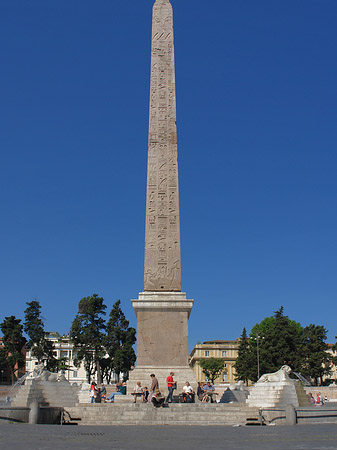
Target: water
[20,382]
[303,380]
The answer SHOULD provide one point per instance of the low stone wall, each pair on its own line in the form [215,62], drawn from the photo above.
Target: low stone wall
[14,414]
[326,391]
[47,415]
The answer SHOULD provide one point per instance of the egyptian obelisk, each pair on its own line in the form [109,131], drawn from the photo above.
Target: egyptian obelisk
[162,310]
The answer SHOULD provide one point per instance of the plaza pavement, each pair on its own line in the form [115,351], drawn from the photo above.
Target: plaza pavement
[45,437]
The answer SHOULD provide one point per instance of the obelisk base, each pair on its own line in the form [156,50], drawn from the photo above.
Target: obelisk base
[162,338]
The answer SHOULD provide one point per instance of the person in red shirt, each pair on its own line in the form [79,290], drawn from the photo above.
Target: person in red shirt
[170,383]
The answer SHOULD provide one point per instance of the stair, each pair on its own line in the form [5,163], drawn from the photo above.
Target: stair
[46,393]
[176,414]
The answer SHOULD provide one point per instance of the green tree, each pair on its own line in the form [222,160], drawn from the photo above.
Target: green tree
[119,343]
[88,334]
[3,364]
[39,346]
[245,359]
[212,367]
[13,343]
[59,364]
[317,362]
[279,344]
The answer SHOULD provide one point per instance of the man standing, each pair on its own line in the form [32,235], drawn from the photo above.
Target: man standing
[154,383]
[170,384]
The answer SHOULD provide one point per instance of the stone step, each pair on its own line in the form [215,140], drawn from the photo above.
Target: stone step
[179,414]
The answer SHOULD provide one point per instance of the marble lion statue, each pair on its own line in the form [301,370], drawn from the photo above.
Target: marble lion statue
[280,375]
[239,386]
[41,373]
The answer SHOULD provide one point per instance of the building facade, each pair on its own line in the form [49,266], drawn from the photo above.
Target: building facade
[63,348]
[226,350]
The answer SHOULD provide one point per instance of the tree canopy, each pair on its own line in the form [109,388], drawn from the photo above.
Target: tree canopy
[283,341]
[119,342]
[280,339]
[88,334]
[13,342]
[39,346]
[316,361]
[212,367]
[245,360]
[105,348]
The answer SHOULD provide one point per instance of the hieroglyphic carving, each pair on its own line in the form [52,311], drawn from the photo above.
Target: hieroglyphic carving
[162,236]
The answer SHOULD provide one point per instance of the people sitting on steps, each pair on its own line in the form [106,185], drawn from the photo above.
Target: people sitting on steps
[138,391]
[209,390]
[188,393]
[158,399]
[145,394]
[120,390]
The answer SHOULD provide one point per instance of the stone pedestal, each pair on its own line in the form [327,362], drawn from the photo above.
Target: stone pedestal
[278,394]
[162,338]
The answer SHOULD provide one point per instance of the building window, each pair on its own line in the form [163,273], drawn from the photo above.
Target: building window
[224,377]
[206,352]
[225,365]
[75,373]
[224,353]
[64,354]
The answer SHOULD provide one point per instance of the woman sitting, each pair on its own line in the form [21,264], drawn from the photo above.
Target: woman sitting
[137,392]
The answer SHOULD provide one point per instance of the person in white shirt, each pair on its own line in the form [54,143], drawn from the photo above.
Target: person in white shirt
[137,391]
[188,393]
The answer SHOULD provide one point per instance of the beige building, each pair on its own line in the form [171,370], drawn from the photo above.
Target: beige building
[226,350]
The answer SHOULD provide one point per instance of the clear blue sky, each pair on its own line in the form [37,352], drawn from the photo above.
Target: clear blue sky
[257,133]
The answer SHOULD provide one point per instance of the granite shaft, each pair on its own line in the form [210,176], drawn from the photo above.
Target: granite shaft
[162,266]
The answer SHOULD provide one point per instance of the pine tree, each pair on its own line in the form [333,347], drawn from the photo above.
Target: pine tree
[88,334]
[13,343]
[317,362]
[245,359]
[119,343]
[279,343]
[40,347]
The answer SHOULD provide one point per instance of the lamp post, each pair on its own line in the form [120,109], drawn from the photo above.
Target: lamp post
[258,353]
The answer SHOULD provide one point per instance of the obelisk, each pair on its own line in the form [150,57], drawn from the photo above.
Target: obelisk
[162,310]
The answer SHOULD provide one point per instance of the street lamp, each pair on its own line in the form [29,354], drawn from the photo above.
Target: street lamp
[258,354]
